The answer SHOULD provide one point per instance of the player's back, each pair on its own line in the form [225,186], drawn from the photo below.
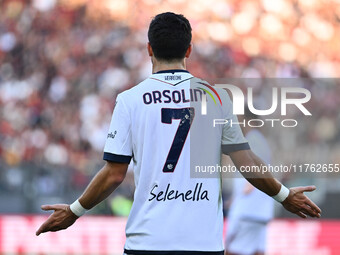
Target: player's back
[171,211]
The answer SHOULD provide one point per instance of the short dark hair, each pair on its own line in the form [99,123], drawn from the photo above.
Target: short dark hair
[169,36]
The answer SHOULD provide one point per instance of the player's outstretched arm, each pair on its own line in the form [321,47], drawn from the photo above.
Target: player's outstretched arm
[101,186]
[295,201]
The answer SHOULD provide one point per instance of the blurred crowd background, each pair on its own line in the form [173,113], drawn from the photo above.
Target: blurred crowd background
[62,64]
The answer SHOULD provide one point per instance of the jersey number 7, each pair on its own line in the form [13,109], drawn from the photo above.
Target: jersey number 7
[186,116]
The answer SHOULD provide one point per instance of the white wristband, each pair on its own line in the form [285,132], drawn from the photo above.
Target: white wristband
[282,195]
[77,208]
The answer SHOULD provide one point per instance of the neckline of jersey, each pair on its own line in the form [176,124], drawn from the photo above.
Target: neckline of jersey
[172,71]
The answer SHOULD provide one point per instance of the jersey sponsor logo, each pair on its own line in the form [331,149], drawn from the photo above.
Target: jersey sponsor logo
[172,77]
[196,194]
[112,135]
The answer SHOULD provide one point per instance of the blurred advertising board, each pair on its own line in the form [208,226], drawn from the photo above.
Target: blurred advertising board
[105,235]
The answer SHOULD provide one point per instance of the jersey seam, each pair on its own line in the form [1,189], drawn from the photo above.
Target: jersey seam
[129,131]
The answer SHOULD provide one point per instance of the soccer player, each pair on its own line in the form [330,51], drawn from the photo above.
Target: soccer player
[171,213]
[250,210]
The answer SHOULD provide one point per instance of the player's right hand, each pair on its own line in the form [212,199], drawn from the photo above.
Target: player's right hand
[61,218]
[299,204]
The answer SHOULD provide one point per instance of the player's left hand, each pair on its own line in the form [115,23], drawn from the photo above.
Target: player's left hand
[297,202]
[61,218]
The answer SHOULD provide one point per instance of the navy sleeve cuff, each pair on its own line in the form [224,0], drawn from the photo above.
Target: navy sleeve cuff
[116,158]
[227,148]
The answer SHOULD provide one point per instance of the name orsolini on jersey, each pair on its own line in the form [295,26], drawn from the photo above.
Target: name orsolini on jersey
[176,96]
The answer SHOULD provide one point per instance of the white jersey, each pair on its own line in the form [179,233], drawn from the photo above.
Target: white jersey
[171,212]
[255,206]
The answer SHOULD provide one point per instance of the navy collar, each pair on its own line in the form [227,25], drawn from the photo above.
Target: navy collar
[172,71]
